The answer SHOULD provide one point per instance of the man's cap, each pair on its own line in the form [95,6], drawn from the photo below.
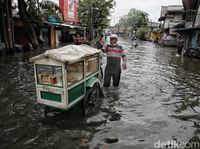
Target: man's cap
[114,36]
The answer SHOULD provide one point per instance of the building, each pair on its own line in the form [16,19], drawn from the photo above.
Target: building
[154,32]
[153,25]
[191,32]
[171,16]
[190,7]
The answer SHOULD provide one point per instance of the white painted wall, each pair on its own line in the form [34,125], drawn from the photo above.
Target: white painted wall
[172,20]
[178,17]
[197,21]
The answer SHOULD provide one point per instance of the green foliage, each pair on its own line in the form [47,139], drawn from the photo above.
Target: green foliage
[42,10]
[101,10]
[123,22]
[142,31]
[134,19]
[49,8]
[33,9]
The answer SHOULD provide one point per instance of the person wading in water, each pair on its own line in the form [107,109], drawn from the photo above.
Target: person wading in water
[113,68]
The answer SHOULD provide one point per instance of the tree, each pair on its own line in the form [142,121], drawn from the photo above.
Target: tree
[134,19]
[123,23]
[26,17]
[32,11]
[142,32]
[49,8]
[7,25]
[100,10]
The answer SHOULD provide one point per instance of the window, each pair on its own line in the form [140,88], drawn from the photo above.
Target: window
[190,16]
[74,73]
[92,65]
[49,75]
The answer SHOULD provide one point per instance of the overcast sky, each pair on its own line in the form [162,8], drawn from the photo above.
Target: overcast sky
[153,7]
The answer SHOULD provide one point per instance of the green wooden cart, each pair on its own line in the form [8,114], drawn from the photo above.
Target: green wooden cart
[68,75]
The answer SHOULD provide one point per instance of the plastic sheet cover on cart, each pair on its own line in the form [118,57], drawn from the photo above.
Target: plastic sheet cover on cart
[68,54]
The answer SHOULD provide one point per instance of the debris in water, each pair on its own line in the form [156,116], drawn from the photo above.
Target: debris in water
[111,140]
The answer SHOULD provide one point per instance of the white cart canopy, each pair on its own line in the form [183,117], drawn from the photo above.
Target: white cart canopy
[68,53]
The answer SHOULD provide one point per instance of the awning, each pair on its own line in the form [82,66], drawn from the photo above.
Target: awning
[63,24]
[157,31]
[67,25]
[187,29]
[71,26]
[179,25]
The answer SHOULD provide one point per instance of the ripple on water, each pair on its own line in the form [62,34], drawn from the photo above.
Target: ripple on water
[158,98]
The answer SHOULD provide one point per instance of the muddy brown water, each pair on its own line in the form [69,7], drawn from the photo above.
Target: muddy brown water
[158,99]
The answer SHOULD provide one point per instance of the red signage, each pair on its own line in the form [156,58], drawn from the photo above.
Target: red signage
[69,10]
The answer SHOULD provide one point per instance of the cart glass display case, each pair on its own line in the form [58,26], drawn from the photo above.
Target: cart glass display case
[75,72]
[49,75]
[92,65]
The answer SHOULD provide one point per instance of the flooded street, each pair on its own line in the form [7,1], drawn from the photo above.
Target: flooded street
[158,99]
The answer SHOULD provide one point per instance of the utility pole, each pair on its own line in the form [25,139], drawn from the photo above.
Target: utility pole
[4,26]
[91,19]
[38,6]
[10,26]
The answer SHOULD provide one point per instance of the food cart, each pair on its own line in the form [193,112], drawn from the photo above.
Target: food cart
[68,75]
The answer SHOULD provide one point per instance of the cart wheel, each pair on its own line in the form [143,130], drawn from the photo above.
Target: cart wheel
[91,100]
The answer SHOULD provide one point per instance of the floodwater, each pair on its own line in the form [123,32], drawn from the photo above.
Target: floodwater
[157,100]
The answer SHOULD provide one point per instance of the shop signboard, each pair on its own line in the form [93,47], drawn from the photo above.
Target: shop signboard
[69,10]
